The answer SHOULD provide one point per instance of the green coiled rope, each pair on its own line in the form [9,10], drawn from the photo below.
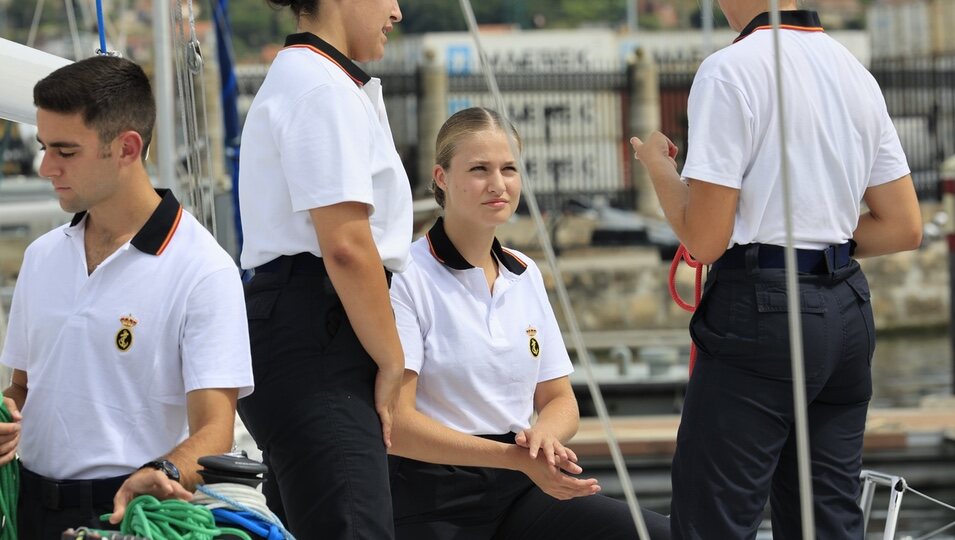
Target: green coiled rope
[9,488]
[172,519]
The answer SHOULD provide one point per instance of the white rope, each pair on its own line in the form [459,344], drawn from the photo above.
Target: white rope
[74,33]
[562,295]
[121,34]
[197,149]
[937,531]
[926,497]
[240,498]
[203,151]
[35,25]
[792,293]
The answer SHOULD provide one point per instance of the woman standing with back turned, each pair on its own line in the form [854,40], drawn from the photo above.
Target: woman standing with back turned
[326,212]
[736,446]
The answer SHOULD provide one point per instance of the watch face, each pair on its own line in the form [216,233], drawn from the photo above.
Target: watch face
[167,467]
[170,470]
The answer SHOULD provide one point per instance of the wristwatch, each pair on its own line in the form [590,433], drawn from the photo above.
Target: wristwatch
[167,467]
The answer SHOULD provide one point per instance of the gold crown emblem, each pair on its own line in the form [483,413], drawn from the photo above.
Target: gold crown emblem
[128,321]
[531,331]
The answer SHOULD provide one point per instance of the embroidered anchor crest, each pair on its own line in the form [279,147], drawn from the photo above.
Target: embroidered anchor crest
[533,344]
[124,338]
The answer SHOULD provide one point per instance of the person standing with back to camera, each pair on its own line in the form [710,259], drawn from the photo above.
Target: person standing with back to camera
[736,443]
[326,216]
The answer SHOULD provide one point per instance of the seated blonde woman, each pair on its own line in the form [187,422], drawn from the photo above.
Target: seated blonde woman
[483,353]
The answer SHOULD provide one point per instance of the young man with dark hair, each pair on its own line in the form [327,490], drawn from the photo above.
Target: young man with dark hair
[127,332]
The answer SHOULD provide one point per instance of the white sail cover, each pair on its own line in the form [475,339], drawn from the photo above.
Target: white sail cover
[21,67]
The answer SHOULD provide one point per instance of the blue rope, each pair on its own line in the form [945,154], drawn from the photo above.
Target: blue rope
[102,28]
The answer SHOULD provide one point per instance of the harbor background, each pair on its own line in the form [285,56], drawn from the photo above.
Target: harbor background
[577,89]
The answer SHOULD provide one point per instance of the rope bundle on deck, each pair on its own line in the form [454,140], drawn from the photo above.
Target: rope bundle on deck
[172,519]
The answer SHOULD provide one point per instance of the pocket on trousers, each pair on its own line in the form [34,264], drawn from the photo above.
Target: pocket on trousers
[259,308]
[722,323]
[259,304]
[860,286]
[773,297]
[772,305]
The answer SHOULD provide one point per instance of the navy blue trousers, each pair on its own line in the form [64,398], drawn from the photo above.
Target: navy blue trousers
[313,410]
[736,442]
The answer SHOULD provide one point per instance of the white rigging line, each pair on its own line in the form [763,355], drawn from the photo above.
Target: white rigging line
[74,33]
[197,147]
[542,235]
[121,34]
[31,38]
[940,530]
[203,151]
[792,297]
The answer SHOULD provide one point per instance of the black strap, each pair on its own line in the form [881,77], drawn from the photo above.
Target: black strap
[808,261]
[301,264]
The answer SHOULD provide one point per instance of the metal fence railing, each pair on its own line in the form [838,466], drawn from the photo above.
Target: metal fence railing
[920,95]
[575,124]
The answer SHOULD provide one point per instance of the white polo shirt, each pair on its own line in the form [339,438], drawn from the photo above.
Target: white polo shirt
[110,356]
[840,139]
[316,135]
[479,356]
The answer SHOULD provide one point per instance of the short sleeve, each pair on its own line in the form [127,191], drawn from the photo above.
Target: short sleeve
[215,335]
[406,319]
[325,143]
[16,346]
[890,162]
[555,361]
[721,132]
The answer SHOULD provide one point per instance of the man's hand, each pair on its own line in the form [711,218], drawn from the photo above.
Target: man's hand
[146,481]
[552,480]
[657,146]
[553,451]
[10,433]
[387,388]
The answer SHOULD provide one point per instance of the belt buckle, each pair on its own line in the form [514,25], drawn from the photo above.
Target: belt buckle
[830,255]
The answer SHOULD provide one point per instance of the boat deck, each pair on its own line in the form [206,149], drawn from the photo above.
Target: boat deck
[655,436]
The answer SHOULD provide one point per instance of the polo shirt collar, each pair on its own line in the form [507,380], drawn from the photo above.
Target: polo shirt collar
[308,40]
[159,228]
[793,20]
[444,251]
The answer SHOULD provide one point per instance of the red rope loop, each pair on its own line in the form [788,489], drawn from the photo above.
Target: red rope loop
[684,255]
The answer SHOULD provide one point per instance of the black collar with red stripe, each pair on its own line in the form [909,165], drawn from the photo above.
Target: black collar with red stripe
[798,19]
[155,234]
[308,39]
[444,251]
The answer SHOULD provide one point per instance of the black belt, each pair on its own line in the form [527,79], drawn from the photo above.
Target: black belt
[301,264]
[808,261]
[61,494]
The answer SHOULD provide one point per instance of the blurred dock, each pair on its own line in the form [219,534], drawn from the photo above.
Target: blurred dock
[886,430]
[916,443]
